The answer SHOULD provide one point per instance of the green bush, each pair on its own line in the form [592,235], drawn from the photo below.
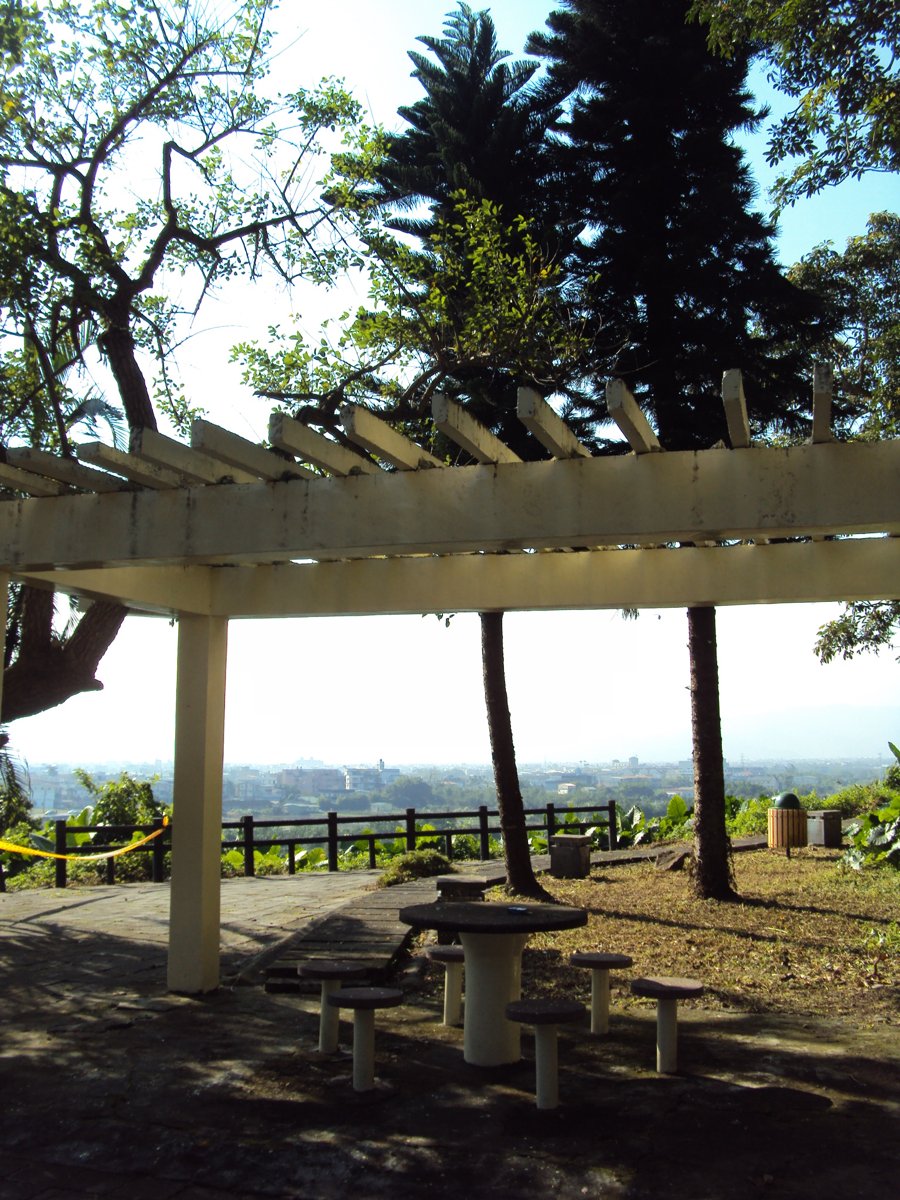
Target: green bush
[418,864]
[750,819]
[855,800]
[466,847]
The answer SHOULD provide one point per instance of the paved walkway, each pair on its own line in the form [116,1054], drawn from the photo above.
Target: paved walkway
[113,1089]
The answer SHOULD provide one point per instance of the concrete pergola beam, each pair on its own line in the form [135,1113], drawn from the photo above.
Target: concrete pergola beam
[689,576]
[651,499]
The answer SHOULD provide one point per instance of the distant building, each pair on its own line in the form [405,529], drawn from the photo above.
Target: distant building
[362,779]
[313,781]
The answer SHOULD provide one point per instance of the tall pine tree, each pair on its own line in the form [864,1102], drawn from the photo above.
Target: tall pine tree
[678,266]
[680,270]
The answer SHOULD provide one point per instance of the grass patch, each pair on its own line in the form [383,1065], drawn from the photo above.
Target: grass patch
[807,936]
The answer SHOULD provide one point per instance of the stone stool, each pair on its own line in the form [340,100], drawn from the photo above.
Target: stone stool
[545,1015]
[331,975]
[363,1001]
[667,991]
[600,964]
[460,887]
[452,957]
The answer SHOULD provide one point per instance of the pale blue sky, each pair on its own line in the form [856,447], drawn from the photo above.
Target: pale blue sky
[583,686]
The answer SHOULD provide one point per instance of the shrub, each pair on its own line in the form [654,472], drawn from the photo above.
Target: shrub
[418,864]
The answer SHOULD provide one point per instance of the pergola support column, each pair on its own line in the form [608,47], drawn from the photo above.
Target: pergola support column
[197,799]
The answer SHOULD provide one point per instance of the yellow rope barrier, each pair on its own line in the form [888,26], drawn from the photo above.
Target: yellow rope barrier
[84,857]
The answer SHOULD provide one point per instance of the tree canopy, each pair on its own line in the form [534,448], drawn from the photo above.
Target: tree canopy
[141,167]
[677,264]
[838,64]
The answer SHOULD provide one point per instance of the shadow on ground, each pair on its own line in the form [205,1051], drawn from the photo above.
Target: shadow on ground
[112,1087]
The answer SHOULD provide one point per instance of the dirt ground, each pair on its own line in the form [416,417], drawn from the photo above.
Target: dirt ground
[113,1087]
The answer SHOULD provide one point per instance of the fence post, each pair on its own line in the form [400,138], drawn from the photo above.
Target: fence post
[410,830]
[373,858]
[551,822]
[60,827]
[332,819]
[484,837]
[292,858]
[247,822]
[613,836]
[158,854]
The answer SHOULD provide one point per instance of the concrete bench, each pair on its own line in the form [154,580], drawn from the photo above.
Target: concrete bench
[546,1015]
[452,958]
[331,975]
[363,1002]
[667,991]
[460,887]
[600,963]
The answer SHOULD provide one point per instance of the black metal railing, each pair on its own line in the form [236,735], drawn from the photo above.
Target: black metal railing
[332,831]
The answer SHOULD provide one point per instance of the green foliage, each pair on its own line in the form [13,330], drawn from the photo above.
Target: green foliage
[861,287]
[232,864]
[882,948]
[15,789]
[864,626]
[417,864]
[125,801]
[466,847]
[480,299]
[635,828]
[838,66]
[750,819]
[892,774]
[875,838]
[104,102]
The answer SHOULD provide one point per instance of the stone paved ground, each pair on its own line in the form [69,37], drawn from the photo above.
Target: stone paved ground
[111,1087]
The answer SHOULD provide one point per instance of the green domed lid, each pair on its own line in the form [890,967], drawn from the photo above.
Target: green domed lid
[787,800]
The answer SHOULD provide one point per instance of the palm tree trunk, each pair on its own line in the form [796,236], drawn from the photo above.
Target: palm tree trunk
[520,877]
[712,874]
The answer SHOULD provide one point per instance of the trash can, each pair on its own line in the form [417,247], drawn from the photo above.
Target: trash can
[786,823]
[570,855]
[823,828]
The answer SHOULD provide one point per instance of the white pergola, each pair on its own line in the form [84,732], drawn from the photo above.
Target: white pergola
[225,528]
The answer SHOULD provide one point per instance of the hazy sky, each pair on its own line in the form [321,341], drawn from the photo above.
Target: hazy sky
[583,686]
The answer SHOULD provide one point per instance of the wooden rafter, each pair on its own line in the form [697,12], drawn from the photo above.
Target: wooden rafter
[63,470]
[823,383]
[129,466]
[376,436]
[547,426]
[312,447]
[192,465]
[244,455]
[735,403]
[30,484]
[473,437]
[631,422]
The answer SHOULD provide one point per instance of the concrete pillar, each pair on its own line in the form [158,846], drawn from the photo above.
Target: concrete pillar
[197,800]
